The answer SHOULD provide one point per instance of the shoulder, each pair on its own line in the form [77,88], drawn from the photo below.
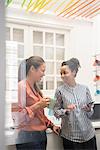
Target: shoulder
[83,87]
[22,84]
[60,88]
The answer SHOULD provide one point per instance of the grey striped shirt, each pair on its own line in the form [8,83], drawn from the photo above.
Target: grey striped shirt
[76,126]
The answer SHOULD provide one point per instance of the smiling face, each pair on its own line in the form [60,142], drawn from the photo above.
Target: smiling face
[66,74]
[38,73]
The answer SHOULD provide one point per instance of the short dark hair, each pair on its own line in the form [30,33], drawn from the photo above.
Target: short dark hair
[73,64]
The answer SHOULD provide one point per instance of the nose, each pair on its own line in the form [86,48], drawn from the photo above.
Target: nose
[62,76]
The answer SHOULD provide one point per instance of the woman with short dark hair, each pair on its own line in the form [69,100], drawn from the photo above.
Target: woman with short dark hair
[75,106]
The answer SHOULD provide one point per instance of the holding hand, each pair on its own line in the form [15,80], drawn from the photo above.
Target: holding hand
[44,102]
[56,129]
[70,107]
[88,107]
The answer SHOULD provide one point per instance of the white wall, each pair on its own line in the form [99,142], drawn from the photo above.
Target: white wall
[84,42]
[96,33]
[81,48]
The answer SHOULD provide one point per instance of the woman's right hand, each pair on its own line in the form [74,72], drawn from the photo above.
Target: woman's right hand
[44,102]
[70,107]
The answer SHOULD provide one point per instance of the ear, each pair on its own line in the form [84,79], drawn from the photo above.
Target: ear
[32,68]
[74,73]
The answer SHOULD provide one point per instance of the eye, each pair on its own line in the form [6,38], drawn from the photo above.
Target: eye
[64,72]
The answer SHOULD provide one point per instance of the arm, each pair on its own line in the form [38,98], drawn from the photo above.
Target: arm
[21,115]
[28,101]
[59,111]
[49,124]
[88,107]
[42,103]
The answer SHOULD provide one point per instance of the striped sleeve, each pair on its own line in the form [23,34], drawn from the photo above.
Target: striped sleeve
[59,111]
[89,99]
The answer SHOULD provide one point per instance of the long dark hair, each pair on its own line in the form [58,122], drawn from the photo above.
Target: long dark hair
[22,70]
[25,66]
[35,61]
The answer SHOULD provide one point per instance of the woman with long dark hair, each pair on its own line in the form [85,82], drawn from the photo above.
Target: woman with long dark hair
[32,120]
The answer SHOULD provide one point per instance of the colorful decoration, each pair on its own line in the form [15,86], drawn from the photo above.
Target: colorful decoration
[23,3]
[67,7]
[63,8]
[96,64]
[8,2]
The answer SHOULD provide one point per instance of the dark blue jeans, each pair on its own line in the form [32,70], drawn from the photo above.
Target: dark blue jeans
[88,145]
[31,140]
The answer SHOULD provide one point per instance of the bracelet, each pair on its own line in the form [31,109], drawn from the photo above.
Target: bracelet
[52,127]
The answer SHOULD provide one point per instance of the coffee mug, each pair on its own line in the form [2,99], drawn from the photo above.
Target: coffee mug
[52,103]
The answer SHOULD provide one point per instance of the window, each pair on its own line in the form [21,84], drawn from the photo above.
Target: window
[49,44]
[11,79]
[16,33]
[14,55]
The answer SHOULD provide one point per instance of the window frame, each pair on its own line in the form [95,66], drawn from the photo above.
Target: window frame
[28,47]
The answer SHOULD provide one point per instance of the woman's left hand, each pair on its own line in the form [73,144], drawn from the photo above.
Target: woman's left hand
[56,129]
[87,108]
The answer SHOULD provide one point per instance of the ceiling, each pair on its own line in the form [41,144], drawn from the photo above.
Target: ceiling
[64,8]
